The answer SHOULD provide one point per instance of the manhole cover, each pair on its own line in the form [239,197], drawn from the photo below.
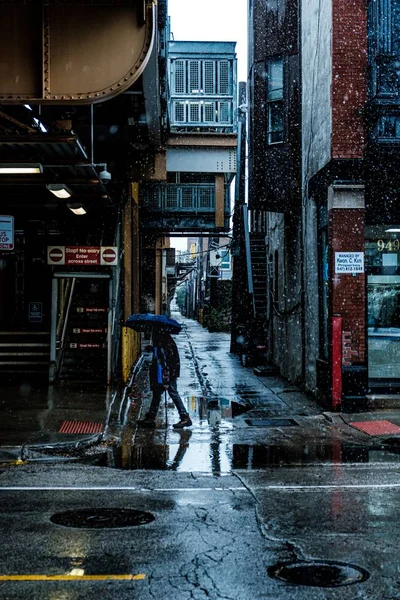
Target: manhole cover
[318,573]
[102,518]
[271,422]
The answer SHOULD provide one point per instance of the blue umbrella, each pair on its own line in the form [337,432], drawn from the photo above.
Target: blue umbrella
[150,322]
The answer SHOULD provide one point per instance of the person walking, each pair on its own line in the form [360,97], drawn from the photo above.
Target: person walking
[164,372]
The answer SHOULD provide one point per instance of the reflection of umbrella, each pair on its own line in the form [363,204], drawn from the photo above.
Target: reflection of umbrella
[150,322]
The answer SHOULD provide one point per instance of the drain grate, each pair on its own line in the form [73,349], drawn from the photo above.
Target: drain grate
[102,518]
[318,573]
[80,427]
[383,427]
[271,422]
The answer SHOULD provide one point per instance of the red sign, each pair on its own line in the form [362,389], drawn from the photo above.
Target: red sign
[108,256]
[82,255]
[82,330]
[56,255]
[91,309]
[86,346]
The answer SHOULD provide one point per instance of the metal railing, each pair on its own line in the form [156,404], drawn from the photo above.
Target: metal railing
[174,197]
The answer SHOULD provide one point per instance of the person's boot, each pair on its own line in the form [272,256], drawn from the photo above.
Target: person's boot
[147,421]
[184,422]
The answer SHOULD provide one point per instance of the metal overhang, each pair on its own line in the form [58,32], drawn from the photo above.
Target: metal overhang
[66,52]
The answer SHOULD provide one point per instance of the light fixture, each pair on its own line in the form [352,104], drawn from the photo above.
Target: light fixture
[77,209]
[392,230]
[20,168]
[59,189]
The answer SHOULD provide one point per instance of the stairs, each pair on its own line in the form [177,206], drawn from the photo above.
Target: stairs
[84,356]
[23,352]
[259,268]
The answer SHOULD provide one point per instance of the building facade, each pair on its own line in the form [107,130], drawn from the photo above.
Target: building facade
[99,164]
[323,188]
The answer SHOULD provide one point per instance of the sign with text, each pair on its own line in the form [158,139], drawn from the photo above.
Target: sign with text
[35,312]
[349,262]
[106,256]
[6,232]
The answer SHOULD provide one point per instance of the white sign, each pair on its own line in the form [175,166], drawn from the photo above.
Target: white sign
[6,232]
[349,262]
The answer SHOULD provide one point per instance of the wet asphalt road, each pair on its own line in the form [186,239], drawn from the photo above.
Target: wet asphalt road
[230,498]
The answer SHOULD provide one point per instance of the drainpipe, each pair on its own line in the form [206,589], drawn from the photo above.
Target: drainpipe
[248,255]
[53,331]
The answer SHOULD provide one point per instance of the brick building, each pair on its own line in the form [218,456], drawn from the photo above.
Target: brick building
[323,188]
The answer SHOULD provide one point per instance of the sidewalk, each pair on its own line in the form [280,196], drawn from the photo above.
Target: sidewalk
[35,416]
[241,420]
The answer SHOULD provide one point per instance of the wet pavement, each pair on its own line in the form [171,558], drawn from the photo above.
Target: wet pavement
[264,484]
[240,420]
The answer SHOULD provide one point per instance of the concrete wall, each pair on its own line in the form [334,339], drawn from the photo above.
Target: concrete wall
[316,39]
[316,45]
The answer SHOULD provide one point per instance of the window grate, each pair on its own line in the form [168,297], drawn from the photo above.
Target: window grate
[205,198]
[223,112]
[194,112]
[209,112]
[194,77]
[171,197]
[209,77]
[180,111]
[223,87]
[180,86]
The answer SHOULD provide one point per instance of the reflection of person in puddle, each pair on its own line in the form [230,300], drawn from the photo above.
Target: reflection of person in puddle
[165,350]
[185,436]
[213,413]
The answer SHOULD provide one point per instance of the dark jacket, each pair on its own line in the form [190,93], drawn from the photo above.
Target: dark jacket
[166,350]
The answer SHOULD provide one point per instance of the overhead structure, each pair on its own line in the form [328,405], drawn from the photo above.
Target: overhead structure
[65,52]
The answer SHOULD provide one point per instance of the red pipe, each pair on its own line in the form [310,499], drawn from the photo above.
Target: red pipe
[337,326]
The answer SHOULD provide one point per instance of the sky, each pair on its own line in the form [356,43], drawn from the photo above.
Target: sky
[211,20]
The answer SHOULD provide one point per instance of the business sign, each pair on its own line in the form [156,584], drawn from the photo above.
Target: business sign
[106,256]
[6,232]
[349,262]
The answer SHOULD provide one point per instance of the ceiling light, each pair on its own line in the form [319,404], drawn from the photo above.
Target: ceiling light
[20,169]
[77,209]
[392,230]
[59,189]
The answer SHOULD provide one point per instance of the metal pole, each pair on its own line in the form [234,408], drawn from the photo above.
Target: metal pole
[53,331]
[109,330]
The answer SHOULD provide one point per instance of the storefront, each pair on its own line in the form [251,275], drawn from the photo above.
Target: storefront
[382,257]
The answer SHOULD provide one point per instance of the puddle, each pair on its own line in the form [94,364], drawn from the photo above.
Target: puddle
[216,445]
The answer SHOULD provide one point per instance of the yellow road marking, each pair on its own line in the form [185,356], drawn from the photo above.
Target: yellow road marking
[72,577]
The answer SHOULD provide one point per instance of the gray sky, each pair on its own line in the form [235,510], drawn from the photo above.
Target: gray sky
[212,20]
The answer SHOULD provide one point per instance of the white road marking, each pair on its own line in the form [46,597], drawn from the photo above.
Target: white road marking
[116,489]
[283,488]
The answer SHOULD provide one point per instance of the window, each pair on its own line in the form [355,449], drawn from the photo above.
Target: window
[274,100]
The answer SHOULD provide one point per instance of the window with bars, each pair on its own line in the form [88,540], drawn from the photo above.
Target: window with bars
[180,112]
[194,112]
[275,102]
[180,77]
[208,77]
[223,112]
[210,112]
[223,77]
[194,77]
